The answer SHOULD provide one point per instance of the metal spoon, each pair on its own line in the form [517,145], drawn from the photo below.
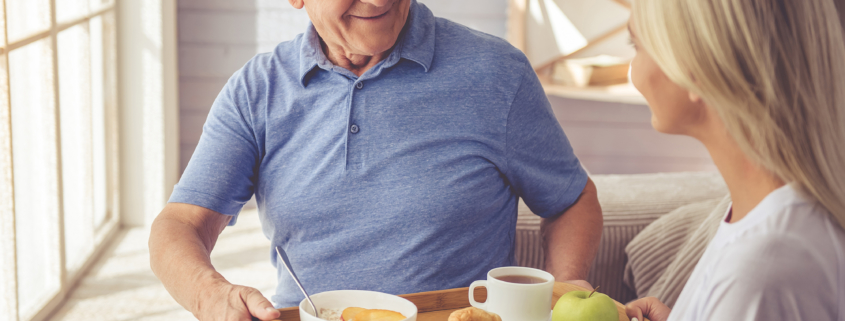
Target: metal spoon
[285,259]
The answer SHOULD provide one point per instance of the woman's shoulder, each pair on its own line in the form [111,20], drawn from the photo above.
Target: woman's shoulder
[775,276]
[773,279]
[785,222]
[798,246]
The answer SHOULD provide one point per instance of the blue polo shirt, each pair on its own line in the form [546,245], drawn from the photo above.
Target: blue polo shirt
[405,179]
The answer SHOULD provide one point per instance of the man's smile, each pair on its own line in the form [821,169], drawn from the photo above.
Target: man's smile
[373,17]
[373,14]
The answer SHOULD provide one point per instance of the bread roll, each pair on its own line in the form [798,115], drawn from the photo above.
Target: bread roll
[473,314]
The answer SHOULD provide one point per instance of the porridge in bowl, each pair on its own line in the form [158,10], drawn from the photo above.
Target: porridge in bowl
[356,305]
[360,314]
[331,314]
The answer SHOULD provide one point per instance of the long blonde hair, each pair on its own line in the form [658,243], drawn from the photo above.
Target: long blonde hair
[775,72]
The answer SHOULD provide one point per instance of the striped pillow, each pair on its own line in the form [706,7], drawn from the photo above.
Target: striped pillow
[629,204]
[662,256]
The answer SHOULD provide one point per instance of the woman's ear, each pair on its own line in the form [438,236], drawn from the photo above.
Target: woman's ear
[696,99]
[697,103]
[297,4]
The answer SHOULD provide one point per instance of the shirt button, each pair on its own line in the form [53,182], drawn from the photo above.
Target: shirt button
[354,129]
[359,85]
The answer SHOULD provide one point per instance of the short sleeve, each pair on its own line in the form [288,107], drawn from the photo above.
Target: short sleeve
[771,279]
[541,167]
[222,172]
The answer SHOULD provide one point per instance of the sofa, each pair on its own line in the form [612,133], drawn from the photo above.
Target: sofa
[630,204]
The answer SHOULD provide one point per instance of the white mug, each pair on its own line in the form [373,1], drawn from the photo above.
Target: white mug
[516,301]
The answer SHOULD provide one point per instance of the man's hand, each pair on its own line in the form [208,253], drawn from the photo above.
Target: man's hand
[229,302]
[649,307]
[581,283]
[181,240]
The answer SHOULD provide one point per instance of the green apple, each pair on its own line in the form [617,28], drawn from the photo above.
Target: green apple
[583,306]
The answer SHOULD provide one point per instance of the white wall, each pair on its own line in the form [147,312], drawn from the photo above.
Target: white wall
[148,103]
[216,37]
[617,138]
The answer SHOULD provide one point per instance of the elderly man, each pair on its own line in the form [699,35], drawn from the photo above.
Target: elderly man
[387,150]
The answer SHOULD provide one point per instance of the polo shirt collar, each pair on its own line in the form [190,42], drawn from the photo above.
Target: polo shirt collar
[415,43]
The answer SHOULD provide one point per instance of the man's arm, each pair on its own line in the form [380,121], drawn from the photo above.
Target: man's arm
[571,239]
[181,240]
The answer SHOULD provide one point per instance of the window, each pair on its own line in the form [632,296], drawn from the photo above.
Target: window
[58,147]
[579,49]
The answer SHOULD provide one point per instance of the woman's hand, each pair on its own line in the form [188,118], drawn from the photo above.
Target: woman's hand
[649,307]
[230,302]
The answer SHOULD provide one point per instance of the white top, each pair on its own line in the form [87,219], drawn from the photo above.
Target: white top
[783,261]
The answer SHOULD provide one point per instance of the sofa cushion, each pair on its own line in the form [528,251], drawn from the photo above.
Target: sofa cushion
[662,256]
[645,197]
[629,203]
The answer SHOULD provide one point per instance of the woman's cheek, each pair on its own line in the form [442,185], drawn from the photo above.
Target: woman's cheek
[643,78]
[635,74]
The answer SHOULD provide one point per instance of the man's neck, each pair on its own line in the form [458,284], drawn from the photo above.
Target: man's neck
[747,182]
[357,64]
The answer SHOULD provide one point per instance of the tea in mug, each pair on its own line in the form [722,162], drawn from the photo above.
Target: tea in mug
[521,279]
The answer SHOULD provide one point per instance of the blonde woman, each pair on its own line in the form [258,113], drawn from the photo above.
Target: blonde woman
[761,83]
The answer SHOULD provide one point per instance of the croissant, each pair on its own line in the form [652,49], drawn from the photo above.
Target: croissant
[473,314]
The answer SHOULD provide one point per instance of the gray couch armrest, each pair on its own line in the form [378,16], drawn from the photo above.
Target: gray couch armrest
[629,203]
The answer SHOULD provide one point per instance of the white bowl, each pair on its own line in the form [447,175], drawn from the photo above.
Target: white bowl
[343,299]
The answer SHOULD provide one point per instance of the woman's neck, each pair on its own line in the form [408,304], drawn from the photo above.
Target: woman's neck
[747,182]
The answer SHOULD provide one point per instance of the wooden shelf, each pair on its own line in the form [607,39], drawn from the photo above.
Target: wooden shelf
[625,93]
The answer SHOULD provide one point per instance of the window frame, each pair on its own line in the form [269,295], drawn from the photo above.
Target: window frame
[104,233]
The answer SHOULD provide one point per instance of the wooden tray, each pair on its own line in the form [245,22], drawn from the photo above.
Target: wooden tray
[437,305]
